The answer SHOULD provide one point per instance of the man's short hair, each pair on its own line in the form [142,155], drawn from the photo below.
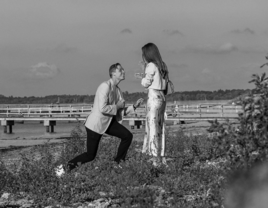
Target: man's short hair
[113,68]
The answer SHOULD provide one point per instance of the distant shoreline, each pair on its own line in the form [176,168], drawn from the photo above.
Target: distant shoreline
[17,144]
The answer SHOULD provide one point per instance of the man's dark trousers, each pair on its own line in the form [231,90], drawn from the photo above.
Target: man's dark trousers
[93,139]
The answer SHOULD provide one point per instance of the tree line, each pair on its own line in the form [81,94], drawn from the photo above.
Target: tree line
[129,97]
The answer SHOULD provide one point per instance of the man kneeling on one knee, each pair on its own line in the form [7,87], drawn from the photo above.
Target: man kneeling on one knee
[106,117]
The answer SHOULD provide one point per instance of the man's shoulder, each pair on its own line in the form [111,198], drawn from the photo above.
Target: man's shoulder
[105,85]
[107,82]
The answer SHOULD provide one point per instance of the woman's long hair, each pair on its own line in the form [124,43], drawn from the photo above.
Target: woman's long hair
[151,53]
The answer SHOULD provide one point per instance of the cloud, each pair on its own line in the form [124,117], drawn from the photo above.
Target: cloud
[43,70]
[173,32]
[222,49]
[126,31]
[226,48]
[246,31]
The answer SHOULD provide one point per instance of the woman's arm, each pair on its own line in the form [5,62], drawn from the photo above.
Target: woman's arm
[149,74]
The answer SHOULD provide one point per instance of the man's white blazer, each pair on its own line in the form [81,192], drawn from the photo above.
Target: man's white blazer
[104,107]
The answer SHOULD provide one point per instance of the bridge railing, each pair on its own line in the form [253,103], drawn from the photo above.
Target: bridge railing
[43,111]
[200,110]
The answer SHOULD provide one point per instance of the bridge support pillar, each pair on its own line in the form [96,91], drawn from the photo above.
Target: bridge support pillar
[49,124]
[9,124]
[138,124]
[10,129]
[5,129]
[175,122]
[142,124]
[52,129]
[133,123]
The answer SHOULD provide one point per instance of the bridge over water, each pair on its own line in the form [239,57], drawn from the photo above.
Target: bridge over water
[49,114]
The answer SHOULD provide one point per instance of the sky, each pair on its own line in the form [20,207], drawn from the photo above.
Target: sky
[56,47]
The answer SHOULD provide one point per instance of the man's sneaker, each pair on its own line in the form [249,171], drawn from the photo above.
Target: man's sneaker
[59,170]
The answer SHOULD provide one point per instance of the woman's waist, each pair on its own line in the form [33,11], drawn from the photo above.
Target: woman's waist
[155,93]
[157,87]
[158,83]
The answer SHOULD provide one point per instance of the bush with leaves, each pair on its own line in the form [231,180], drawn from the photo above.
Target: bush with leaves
[247,142]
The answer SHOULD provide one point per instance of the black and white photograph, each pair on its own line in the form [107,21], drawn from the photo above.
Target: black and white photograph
[133,103]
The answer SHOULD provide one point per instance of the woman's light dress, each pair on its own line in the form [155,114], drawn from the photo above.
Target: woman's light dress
[154,138]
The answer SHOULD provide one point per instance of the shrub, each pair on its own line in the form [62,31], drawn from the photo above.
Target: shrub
[246,143]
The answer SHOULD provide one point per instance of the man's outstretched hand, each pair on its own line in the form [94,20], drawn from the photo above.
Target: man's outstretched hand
[138,103]
[120,104]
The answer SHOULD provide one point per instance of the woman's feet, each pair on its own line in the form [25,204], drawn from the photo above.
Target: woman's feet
[60,171]
[164,161]
[157,162]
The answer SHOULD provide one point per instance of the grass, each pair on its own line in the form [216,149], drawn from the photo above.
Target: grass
[188,181]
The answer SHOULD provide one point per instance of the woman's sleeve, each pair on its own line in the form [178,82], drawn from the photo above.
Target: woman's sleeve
[149,75]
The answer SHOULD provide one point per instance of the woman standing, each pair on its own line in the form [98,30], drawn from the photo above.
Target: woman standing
[155,80]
